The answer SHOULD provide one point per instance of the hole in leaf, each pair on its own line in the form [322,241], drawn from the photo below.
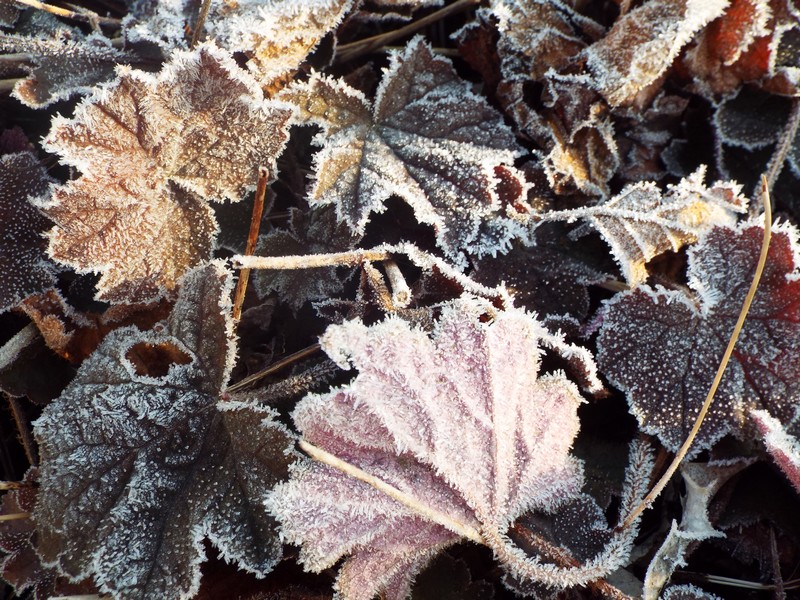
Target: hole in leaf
[154,360]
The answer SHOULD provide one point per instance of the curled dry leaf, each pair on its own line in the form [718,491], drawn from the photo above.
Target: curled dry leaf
[663,346]
[428,139]
[153,151]
[462,422]
[643,44]
[642,222]
[24,266]
[140,460]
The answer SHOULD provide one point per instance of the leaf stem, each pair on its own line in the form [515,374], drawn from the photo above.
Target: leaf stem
[252,238]
[353,50]
[22,428]
[87,16]
[684,449]
[6,85]
[310,261]
[15,516]
[10,485]
[200,23]
[274,367]
[406,500]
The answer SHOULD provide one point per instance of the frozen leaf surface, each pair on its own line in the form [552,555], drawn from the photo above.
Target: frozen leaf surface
[62,62]
[316,232]
[642,222]
[462,421]
[153,150]
[140,460]
[642,45]
[428,139]
[663,347]
[24,266]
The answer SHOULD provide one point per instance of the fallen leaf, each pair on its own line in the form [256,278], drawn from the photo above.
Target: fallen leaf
[428,139]
[138,467]
[153,150]
[662,347]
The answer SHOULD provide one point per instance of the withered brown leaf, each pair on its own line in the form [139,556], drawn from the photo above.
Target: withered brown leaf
[153,150]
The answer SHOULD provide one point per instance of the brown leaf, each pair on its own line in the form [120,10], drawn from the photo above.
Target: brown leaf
[154,149]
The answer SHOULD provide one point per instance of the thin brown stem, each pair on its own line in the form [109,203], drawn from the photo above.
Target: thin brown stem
[310,261]
[684,449]
[25,436]
[15,516]
[199,25]
[353,50]
[10,485]
[275,367]
[86,16]
[7,85]
[252,238]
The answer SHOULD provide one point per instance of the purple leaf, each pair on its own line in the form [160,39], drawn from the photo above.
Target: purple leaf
[663,346]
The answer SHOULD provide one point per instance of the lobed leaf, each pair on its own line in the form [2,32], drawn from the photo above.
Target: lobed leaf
[461,421]
[641,222]
[140,461]
[153,151]
[663,347]
[428,139]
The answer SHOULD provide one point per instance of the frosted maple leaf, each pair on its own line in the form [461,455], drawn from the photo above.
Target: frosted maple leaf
[153,150]
[663,346]
[460,424]
[427,139]
[140,460]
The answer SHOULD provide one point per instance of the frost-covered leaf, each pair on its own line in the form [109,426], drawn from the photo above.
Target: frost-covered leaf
[276,36]
[546,279]
[462,422]
[24,266]
[316,232]
[62,62]
[140,460]
[663,346]
[537,35]
[21,567]
[754,41]
[643,44]
[642,222]
[754,119]
[428,139]
[782,446]
[153,150]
